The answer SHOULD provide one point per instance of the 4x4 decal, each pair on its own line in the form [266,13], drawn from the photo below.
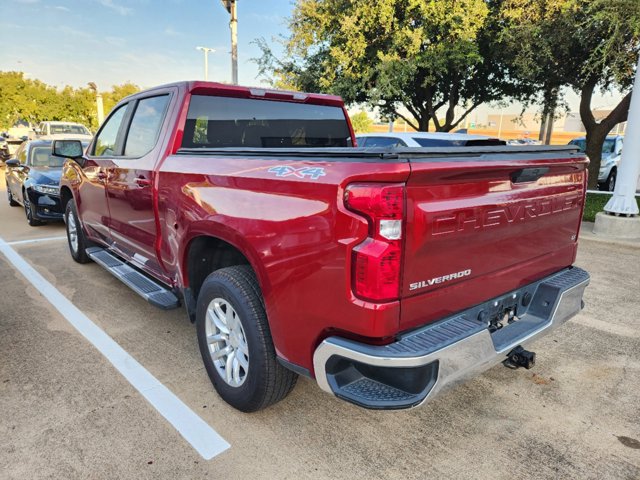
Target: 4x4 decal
[302,172]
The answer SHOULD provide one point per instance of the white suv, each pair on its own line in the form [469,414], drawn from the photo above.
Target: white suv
[67,130]
[425,139]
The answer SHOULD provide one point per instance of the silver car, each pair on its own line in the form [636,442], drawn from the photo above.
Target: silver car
[611,156]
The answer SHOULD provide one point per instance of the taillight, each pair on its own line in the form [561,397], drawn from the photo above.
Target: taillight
[377,260]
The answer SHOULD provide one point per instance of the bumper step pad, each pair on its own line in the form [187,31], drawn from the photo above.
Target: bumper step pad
[148,289]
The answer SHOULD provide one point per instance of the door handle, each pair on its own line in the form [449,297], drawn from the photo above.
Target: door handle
[143,182]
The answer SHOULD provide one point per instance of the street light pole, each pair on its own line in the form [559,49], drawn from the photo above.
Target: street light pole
[206,51]
[231,7]
[623,201]
[99,105]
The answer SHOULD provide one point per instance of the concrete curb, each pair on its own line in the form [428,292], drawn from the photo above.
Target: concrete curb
[586,233]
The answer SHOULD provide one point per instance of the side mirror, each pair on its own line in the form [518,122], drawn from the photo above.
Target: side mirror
[67,149]
[12,163]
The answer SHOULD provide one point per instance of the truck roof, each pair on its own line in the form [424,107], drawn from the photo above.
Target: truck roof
[200,87]
[54,122]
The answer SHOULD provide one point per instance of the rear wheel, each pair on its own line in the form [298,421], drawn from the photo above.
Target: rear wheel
[235,341]
[12,202]
[29,212]
[78,243]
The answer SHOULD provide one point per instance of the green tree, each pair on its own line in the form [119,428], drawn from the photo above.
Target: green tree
[409,58]
[582,44]
[117,93]
[34,101]
[361,122]
[24,99]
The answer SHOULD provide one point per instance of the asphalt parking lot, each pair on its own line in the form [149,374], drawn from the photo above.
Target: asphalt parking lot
[66,412]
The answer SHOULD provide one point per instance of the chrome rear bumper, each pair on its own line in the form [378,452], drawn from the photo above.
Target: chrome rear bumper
[423,362]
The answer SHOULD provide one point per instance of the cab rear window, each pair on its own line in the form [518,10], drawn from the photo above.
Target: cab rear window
[219,122]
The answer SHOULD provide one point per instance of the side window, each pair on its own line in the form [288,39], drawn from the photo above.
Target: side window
[145,125]
[362,141]
[105,145]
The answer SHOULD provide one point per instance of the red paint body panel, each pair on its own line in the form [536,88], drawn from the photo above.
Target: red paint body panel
[470,217]
[460,214]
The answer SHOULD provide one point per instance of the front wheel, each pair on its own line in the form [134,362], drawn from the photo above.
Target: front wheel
[78,243]
[29,211]
[235,341]
[12,202]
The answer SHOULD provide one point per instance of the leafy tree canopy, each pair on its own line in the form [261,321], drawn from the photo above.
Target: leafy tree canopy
[34,101]
[414,56]
[361,122]
[581,44]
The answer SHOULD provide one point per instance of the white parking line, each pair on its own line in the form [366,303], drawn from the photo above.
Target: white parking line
[193,429]
[37,240]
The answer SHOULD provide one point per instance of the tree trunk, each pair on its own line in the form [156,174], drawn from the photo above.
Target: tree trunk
[543,127]
[423,123]
[597,131]
[595,139]
[550,118]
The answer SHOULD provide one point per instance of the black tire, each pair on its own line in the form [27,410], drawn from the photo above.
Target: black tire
[12,202]
[610,184]
[29,212]
[266,381]
[78,252]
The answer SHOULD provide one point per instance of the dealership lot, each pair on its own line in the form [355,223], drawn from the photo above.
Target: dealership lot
[68,413]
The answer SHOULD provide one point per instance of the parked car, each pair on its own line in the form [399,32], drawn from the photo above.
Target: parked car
[69,130]
[611,156]
[386,275]
[425,139]
[523,141]
[32,181]
[4,150]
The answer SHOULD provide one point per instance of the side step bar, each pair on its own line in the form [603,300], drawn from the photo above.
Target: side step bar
[151,291]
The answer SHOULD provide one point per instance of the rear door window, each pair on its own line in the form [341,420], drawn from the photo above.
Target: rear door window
[145,125]
[219,122]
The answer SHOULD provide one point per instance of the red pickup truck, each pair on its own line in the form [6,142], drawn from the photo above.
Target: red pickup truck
[385,274]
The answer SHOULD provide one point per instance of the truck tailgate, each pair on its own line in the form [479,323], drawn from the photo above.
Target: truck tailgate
[482,225]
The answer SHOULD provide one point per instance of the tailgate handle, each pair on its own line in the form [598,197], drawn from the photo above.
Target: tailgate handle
[528,174]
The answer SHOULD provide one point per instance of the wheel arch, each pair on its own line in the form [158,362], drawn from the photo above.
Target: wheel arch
[205,253]
[65,196]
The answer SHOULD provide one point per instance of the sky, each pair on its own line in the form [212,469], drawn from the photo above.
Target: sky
[151,42]
[147,42]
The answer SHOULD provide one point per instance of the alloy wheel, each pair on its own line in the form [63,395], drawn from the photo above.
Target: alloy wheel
[227,342]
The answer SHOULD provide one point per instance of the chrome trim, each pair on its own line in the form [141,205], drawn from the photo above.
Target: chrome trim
[459,361]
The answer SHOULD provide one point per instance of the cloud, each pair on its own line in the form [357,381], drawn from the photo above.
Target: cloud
[118,8]
[116,41]
[170,32]
[75,33]
[61,8]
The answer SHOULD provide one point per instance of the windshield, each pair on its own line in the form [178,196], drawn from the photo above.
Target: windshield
[69,129]
[607,147]
[438,142]
[472,142]
[41,157]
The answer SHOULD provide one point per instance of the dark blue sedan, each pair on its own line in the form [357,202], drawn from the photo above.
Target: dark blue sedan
[32,181]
